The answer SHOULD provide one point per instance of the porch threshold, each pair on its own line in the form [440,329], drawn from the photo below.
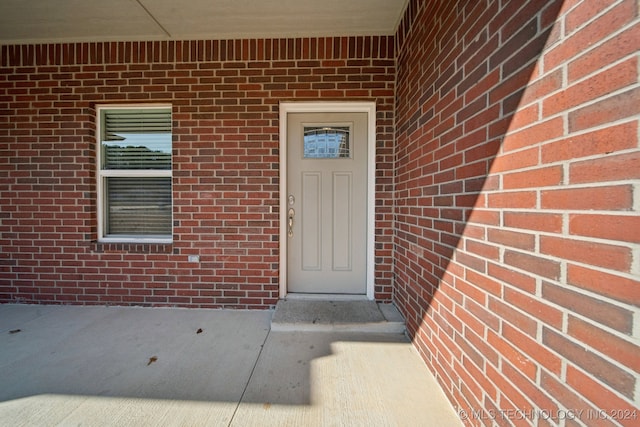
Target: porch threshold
[336,316]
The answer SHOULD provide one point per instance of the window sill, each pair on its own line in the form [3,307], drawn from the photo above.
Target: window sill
[132,247]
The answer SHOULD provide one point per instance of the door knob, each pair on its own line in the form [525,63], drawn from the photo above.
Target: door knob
[292,213]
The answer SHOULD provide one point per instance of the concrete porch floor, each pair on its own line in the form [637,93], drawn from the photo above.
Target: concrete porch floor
[70,365]
[336,316]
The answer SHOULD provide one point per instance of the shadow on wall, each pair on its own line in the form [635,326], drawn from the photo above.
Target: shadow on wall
[493,101]
[450,132]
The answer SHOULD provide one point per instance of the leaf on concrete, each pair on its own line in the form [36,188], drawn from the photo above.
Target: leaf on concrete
[199,331]
[151,360]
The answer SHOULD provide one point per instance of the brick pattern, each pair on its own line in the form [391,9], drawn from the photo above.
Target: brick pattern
[224,95]
[518,179]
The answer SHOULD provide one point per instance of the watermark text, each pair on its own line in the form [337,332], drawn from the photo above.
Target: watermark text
[550,415]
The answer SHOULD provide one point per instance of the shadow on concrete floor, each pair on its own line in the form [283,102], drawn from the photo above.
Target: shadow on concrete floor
[115,365]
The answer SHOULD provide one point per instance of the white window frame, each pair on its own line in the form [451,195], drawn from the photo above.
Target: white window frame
[101,176]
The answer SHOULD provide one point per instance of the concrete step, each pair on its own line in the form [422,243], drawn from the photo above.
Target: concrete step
[337,316]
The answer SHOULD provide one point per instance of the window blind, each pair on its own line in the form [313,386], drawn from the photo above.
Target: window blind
[138,206]
[136,139]
[119,122]
[135,158]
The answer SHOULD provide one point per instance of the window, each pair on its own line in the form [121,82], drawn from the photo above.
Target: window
[134,174]
[322,142]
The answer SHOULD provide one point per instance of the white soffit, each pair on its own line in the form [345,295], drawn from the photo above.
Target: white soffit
[43,21]
[74,20]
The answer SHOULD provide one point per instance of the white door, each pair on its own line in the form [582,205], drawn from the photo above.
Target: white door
[327,203]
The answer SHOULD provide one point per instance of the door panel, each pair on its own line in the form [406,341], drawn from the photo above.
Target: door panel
[311,226]
[327,202]
[342,219]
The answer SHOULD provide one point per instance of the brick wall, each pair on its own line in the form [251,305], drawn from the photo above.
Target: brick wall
[225,97]
[517,232]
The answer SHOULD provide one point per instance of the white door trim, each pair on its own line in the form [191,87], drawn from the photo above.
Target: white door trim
[330,107]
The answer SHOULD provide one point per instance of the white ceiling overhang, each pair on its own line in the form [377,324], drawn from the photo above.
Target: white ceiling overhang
[47,21]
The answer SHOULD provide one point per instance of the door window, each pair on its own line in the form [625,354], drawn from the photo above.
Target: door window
[327,142]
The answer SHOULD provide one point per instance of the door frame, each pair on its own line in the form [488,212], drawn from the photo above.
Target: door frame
[330,107]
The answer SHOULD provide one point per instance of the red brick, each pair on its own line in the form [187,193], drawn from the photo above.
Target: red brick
[512,397]
[518,160]
[530,389]
[540,88]
[624,351]
[571,399]
[513,199]
[605,371]
[610,109]
[620,288]
[534,264]
[482,86]
[601,396]
[548,222]
[618,197]
[512,354]
[598,29]
[514,278]
[540,132]
[536,308]
[584,12]
[485,217]
[588,252]
[482,119]
[513,84]
[482,250]
[611,227]
[473,262]
[607,168]
[598,310]
[599,142]
[519,320]
[524,117]
[610,80]
[535,178]
[511,238]
[607,53]
[483,314]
